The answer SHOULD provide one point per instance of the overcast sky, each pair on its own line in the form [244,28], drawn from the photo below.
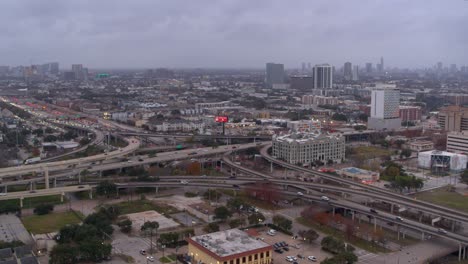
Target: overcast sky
[233,33]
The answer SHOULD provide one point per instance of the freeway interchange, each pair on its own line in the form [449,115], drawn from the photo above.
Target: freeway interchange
[113,160]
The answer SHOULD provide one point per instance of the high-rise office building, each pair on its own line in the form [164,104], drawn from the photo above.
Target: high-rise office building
[348,71]
[453,68]
[274,74]
[78,70]
[355,75]
[385,108]
[323,76]
[54,68]
[453,118]
[369,67]
[382,66]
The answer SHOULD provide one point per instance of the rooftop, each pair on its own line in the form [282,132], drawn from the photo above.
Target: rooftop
[228,242]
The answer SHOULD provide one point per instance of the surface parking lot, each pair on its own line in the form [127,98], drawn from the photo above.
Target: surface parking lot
[295,247]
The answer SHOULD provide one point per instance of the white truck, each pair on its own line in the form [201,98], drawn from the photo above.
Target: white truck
[32,160]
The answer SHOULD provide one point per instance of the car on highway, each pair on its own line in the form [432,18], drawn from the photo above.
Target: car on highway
[312,258]
[80,187]
[184,182]
[3,194]
[129,161]
[372,210]
[192,153]
[399,218]
[235,186]
[300,194]
[140,159]
[150,258]
[324,198]
[443,231]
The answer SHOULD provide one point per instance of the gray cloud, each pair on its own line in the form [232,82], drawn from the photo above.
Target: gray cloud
[226,33]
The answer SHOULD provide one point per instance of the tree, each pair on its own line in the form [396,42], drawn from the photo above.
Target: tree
[236,204]
[50,138]
[405,153]
[106,188]
[222,213]
[309,235]
[339,117]
[236,223]
[282,222]
[125,225]
[347,257]
[211,227]
[169,238]
[43,209]
[464,176]
[63,253]
[175,112]
[38,132]
[102,222]
[256,218]
[151,226]
[49,130]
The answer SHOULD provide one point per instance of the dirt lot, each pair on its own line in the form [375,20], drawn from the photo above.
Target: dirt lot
[303,249]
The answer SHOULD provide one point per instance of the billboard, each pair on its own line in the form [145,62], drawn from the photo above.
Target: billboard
[221,119]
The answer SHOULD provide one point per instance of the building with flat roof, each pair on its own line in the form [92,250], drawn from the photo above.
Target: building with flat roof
[361,175]
[385,114]
[306,148]
[457,142]
[323,76]
[231,246]
[453,118]
[442,161]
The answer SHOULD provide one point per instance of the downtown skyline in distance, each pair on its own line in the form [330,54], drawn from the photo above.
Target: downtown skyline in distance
[179,34]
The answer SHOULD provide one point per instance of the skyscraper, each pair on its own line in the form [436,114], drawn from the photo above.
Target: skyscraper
[369,67]
[54,68]
[323,76]
[355,76]
[78,70]
[382,66]
[348,71]
[385,108]
[274,74]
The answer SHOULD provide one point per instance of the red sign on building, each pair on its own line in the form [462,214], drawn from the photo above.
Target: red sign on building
[221,119]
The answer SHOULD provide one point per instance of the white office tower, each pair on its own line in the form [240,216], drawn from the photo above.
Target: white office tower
[385,111]
[355,75]
[323,76]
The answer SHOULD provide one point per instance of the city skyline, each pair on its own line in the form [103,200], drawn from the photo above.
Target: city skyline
[224,34]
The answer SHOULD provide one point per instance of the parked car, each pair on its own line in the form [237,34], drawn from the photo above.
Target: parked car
[150,258]
[399,218]
[312,258]
[143,252]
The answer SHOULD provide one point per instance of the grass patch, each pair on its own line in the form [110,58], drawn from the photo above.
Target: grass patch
[446,198]
[370,152]
[145,205]
[41,224]
[165,260]
[358,242]
[126,258]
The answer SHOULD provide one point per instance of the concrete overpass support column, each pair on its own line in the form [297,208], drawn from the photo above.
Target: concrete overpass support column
[333,210]
[422,236]
[398,231]
[391,208]
[91,194]
[61,197]
[359,220]
[453,226]
[464,252]
[353,215]
[459,252]
[420,216]
[157,190]
[30,186]
[21,202]
[100,174]
[375,224]
[55,182]
[6,188]
[46,176]
[271,167]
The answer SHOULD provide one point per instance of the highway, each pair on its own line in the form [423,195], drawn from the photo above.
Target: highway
[219,182]
[371,191]
[139,134]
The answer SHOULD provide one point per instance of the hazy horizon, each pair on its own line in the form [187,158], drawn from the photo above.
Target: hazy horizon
[233,34]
